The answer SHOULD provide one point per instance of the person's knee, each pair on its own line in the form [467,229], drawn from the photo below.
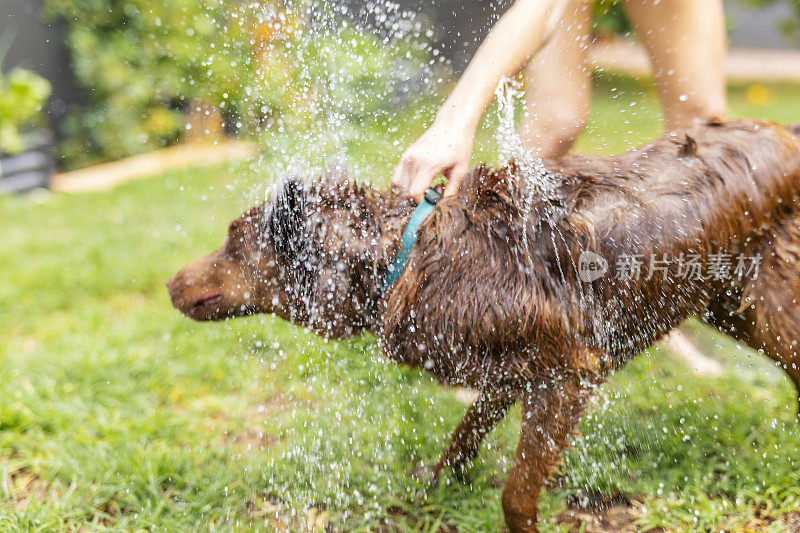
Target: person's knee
[696,106]
[555,134]
[567,127]
[714,106]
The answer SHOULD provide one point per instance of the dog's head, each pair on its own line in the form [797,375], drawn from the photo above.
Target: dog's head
[308,255]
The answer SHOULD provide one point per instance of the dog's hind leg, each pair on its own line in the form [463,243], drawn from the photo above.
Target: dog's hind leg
[551,410]
[774,309]
[481,417]
[766,314]
[761,327]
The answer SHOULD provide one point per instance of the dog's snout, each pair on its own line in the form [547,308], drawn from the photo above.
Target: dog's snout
[198,291]
[173,285]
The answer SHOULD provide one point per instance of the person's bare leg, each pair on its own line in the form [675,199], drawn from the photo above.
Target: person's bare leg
[686,42]
[558,86]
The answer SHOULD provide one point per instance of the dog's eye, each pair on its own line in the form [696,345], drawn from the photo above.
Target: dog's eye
[491,195]
[235,250]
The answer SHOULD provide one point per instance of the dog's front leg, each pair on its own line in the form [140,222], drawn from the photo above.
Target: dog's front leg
[551,409]
[481,417]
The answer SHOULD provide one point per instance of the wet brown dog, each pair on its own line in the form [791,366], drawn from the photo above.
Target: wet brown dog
[494,296]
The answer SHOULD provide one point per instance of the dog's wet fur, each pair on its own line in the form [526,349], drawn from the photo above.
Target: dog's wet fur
[491,297]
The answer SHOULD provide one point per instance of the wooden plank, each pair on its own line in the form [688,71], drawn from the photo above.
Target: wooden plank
[108,175]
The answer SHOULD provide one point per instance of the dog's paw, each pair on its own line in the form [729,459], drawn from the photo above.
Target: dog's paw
[426,474]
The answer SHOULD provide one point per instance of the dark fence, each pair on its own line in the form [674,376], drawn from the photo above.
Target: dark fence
[460,25]
[38,45]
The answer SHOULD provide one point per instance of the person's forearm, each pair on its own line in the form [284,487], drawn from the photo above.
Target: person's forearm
[516,36]
[446,146]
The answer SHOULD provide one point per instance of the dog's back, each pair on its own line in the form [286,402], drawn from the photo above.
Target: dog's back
[705,195]
[475,292]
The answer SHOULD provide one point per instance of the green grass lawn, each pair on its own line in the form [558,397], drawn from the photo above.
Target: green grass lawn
[117,413]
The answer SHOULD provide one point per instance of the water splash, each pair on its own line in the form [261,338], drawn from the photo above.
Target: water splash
[538,185]
[535,180]
[320,80]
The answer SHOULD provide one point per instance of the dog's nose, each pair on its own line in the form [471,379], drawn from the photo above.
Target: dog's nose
[173,287]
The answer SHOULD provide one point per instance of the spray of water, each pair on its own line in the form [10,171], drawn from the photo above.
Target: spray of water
[318,80]
[321,80]
[535,181]
[320,85]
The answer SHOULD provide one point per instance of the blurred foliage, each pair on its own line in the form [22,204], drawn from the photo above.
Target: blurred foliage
[22,95]
[609,18]
[261,67]
[142,62]
[147,64]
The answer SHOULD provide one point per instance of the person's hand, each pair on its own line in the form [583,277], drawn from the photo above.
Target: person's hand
[445,148]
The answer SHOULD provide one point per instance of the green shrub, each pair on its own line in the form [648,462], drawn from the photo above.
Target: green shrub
[142,63]
[22,95]
[260,65]
[609,18]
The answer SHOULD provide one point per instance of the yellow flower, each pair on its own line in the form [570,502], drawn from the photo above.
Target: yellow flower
[160,122]
[757,94]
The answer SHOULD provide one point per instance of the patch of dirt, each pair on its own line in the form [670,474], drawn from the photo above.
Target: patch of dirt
[280,518]
[791,521]
[597,513]
[589,513]
[397,516]
[22,486]
[253,438]
[251,441]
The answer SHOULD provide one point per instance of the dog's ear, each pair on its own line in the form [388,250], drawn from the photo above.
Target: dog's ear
[287,223]
[494,186]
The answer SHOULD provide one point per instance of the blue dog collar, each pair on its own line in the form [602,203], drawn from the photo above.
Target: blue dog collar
[398,265]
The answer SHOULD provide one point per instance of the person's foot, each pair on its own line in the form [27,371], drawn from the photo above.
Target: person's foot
[428,475]
[466,396]
[680,345]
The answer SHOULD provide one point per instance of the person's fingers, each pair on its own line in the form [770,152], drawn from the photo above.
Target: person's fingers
[454,178]
[420,182]
[398,177]
[405,170]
